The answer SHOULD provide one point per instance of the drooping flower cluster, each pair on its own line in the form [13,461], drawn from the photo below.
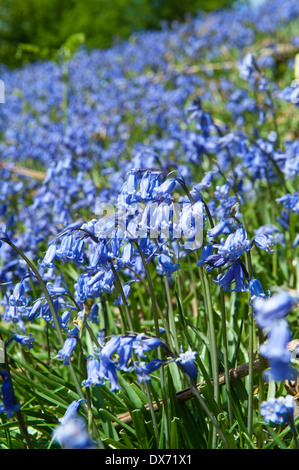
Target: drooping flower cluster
[128,353]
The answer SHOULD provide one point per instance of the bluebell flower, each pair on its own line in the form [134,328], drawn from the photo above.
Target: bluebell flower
[229,250]
[107,282]
[93,373]
[164,190]
[72,409]
[284,220]
[99,257]
[148,183]
[34,310]
[290,201]
[64,319]
[233,280]
[78,255]
[69,346]
[55,289]
[187,359]
[205,182]
[24,340]
[144,369]
[129,189]
[289,94]
[125,353]
[94,312]
[126,291]
[265,243]
[72,434]
[90,285]
[269,230]
[235,245]
[217,229]
[49,257]
[215,261]
[167,266]
[278,410]
[9,405]
[277,353]
[70,248]
[107,365]
[266,311]
[18,298]
[101,338]
[12,314]
[127,257]
[144,344]
[156,221]
[256,290]
[206,251]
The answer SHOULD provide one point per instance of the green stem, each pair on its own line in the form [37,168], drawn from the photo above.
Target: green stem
[210,415]
[225,356]
[151,291]
[91,426]
[157,331]
[251,354]
[212,339]
[123,297]
[152,411]
[171,317]
[88,400]
[212,335]
[261,391]
[198,317]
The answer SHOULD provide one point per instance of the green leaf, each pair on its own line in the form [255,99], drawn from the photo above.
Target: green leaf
[115,419]
[139,426]
[131,393]
[174,434]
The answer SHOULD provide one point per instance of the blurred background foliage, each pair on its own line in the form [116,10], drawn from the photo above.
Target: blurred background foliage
[36,29]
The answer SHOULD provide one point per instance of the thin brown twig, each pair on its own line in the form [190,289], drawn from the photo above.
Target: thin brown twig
[39,175]
[184,395]
[235,373]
